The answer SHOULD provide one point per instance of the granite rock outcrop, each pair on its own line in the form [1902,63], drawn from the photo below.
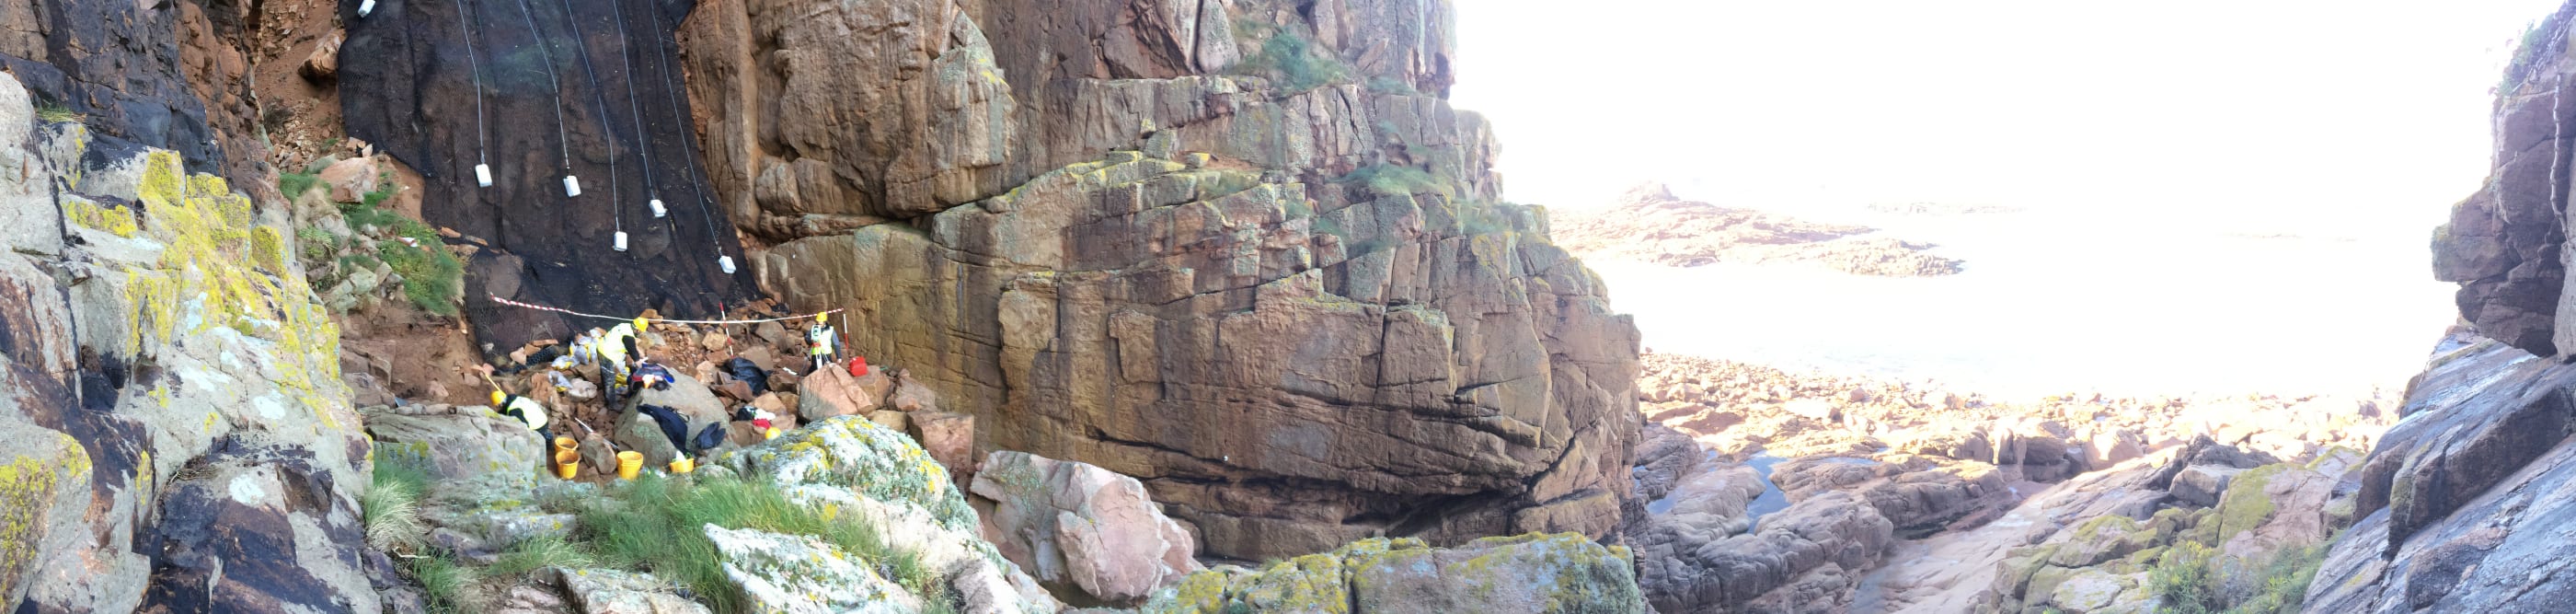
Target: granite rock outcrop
[1244,252]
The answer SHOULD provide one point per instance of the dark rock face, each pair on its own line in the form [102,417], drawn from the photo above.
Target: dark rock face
[128,66]
[257,535]
[2464,500]
[408,86]
[2503,244]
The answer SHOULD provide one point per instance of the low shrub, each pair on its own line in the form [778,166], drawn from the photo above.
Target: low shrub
[2196,579]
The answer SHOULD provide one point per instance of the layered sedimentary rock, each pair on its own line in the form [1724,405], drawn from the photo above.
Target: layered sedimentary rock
[1242,252]
[593,93]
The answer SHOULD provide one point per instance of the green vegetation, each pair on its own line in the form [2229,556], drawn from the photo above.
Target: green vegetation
[650,525]
[1392,180]
[1477,218]
[539,553]
[391,511]
[1296,63]
[2196,579]
[432,277]
[2534,37]
[448,586]
[55,113]
[391,506]
[295,184]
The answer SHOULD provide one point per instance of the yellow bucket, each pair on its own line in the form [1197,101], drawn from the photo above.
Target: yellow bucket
[628,463]
[565,444]
[771,434]
[683,465]
[567,463]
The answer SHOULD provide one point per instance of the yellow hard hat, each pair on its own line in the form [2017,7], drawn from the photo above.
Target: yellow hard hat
[823,318]
[496,397]
[640,324]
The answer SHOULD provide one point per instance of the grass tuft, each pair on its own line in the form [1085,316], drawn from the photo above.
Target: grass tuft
[296,184]
[55,113]
[540,553]
[391,507]
[448,586]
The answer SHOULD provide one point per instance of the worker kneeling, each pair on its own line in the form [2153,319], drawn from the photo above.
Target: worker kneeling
[528,411]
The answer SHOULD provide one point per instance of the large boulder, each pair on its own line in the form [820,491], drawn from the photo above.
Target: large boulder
[1686,569]
[1529,573]
[878,476]
[608,591]
[456,442]
[833,392]
[1082,525]
[804,575]
[692,401]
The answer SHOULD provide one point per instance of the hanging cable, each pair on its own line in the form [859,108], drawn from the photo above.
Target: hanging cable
[697,176]
[644,140]
[563,143]
[482,162]
[616,211]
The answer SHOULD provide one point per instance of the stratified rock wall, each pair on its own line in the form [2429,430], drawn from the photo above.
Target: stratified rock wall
[1242,251]
[2461,507]
[408,86]
[2505,244]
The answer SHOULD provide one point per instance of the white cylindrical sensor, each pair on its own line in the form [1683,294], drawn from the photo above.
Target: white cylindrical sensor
[483,175]
[572,185]
[658,211]
[621,240]
[365,7]
[726,262]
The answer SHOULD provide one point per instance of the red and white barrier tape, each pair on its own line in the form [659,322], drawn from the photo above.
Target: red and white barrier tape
[561,310]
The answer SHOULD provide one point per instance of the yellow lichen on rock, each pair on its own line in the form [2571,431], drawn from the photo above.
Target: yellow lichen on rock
[235,275]
[268,249]
[118,221]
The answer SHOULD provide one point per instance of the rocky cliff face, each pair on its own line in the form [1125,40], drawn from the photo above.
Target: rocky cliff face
[2458,508]
[176,434]
[1243,251]
[2504,244]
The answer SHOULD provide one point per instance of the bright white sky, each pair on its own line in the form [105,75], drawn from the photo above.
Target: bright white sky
[2306,114]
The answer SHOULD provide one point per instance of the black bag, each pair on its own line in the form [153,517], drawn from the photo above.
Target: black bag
[673,426]
[743,369]
[710,437]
